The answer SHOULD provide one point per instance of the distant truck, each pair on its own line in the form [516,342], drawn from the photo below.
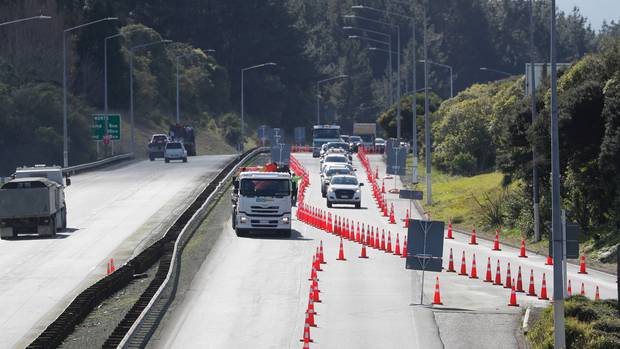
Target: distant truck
[185,135]
[367,131]
[157,146]
[33,202]
[322,134]
[262,202]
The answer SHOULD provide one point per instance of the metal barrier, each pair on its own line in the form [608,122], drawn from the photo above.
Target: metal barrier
[96,164]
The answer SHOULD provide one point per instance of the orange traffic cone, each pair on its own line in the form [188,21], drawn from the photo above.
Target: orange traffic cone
[371,237]
[392,217]
[112,267]
[315,292]
[383,186]
[382,240]
[318,260]
[543,291]
[463,265]
[341,252]
[376,172]
[449,231]
[389,243]
[597,295]
[496,241]
[407,219]
[582,265]
[306,338]
[522,251]
[451,263]
[473,237]
[310,316]
[498,275]
[313,273]
[583,290]
[532,289]
[363,255]
[358,234]
[377,241]
[437,298]
[321,255]
[397,247]
[513,298]
[549,261]
[569,289]
[404,255]
[474,270]
[108,270]
[508,277]
[489,275]
[519,281]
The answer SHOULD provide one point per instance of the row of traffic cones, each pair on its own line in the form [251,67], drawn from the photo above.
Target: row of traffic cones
[314,294]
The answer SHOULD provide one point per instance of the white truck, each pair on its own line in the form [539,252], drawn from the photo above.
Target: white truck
[262,202]
[33,202]
[367,131]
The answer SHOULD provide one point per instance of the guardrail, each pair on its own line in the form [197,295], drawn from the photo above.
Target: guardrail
[149,318]
[96,164]
[161,250]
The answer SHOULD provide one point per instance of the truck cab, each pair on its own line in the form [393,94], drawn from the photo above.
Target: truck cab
[262,202]
[53,173]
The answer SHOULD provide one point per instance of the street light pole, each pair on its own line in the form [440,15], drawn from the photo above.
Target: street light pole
[535,189]
[65,127]
[496,71]
[318,94]
[24,20]
[131,113]
[451,75]
[558,239]
[427,122]
[243,95]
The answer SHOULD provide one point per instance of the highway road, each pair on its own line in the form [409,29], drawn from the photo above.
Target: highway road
[112,213]
[253,292]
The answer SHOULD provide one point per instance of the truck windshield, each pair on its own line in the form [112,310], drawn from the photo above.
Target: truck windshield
[326,134]
[265,187]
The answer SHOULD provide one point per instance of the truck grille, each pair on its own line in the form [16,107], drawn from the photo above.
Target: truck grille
[256,223]
[344,194]
[258,210]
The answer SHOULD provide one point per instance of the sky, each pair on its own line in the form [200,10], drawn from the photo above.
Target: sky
[596,11]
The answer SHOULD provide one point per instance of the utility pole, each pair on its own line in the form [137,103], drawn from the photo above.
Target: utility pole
[535,189]
[414,103]
[427,122]
[558,241]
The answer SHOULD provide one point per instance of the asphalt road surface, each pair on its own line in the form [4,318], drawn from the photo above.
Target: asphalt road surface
[112,213]
[253,292]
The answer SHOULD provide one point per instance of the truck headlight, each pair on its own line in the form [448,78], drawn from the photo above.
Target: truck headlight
[243,219]
[285,220]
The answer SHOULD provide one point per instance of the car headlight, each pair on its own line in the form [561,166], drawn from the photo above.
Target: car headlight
[331,190]
[243,219]
[358,191]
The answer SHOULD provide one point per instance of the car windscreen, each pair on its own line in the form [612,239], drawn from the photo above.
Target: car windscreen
[335,159]
[160,139]
[355,139]
[338,171]
[265,187]
[344,180]
[344,146]
[326,133]
[173,146]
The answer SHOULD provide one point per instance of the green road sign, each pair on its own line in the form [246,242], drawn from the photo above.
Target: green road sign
[103,125]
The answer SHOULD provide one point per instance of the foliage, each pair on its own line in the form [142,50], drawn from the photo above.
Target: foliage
[589,324]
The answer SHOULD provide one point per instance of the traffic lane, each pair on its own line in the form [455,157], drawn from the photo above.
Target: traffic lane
[111,213]
[606,282]
[371,293]
[249,293]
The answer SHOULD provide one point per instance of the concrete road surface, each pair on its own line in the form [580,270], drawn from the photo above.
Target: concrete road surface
[113,212]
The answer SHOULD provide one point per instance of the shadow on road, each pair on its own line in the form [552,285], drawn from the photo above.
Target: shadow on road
[295,235]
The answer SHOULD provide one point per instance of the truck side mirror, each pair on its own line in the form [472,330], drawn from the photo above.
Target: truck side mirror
[361,184]
[68,181]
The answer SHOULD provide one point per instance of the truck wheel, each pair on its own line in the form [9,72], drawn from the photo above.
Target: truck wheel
[358,205]
[167,160]
[184,159]
[64,218]
[329,204]
[151,158]
[323,194]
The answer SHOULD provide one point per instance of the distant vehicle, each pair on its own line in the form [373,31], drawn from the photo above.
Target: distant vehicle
[175,151]
[157,145]
[367,132]
[334,159]
[344,189]
[331,171]
[328,166]
[322,134]
[345,138]
[33,202]
[185,135]
[354,143]
[262,202]
[334,145]
[380,144]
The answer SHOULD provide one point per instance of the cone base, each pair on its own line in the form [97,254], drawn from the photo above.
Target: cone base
[341,259]
[447,237]
[532,295]
[437,303]
[488,280]
[543,298]
[365,257]
[585,272]
[310,340]
[520,291]
[473,277]
[513,305]
[473,243]
[463,274]
[497,249]
[522,256]
[451,271]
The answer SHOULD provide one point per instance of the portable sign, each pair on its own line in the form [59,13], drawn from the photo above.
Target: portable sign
[425,245]
[397,162]
[300,135]
[410,194]
[281,154]
[572,241]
